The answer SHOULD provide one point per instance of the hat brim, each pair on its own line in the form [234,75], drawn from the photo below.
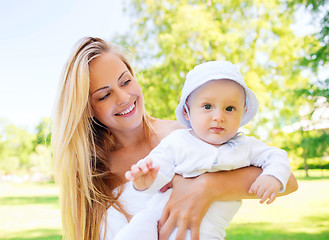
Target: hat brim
[215,70]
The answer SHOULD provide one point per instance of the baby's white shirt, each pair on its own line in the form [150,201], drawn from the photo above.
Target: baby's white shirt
[183,153]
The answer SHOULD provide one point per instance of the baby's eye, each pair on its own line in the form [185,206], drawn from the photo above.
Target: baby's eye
[230,109]
[207,106]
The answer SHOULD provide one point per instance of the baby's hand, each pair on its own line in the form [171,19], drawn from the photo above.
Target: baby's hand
[143,174]
[266,187]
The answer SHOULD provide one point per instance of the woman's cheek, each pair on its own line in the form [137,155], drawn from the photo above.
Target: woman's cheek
[100,112]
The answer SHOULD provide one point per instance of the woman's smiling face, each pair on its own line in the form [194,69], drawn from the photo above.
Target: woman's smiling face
[116,96]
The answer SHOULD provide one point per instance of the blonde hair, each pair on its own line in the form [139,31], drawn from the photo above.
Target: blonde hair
[81,147]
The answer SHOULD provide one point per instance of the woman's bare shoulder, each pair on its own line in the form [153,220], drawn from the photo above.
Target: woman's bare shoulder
[164,127]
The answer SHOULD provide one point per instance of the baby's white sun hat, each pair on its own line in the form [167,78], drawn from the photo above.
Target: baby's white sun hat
[215,70]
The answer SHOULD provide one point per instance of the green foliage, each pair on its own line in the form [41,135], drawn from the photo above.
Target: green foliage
[315,163]
[43,134]
[307,149]
[312,141]
[318,56]
[317,53]
[23,152]
[16,146]
[41,161]
[171,37]
[313,144]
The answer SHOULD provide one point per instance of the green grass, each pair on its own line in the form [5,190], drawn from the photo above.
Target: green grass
[31,211]
[314,174]
[303,215]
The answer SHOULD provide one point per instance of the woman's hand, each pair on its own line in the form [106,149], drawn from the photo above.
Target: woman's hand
[188,204]
[191,198]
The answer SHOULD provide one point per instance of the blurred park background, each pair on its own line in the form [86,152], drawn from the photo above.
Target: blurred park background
[282,50]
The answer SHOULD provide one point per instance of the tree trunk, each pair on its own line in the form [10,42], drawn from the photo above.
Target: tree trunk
[305,165]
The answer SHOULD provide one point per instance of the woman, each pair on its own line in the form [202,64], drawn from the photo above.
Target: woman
[101,128]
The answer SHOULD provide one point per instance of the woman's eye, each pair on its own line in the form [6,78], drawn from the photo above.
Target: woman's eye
[230,109]
[105,96]
[207,106]
[126,83]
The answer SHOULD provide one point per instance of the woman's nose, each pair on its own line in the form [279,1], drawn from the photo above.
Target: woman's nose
[122,97]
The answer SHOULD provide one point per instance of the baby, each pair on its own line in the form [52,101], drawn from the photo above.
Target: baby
[215,102]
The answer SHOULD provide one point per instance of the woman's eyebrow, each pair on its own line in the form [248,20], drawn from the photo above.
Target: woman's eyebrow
[100,89]
[109,86]
[122,75]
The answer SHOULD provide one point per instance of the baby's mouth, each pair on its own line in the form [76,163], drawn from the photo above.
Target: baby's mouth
[126,110]
[217,129]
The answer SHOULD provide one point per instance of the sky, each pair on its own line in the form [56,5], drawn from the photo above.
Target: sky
[36,38]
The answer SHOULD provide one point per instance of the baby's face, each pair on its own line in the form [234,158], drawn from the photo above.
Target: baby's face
[216,110]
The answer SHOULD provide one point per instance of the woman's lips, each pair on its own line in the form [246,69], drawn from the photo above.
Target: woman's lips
[127,111]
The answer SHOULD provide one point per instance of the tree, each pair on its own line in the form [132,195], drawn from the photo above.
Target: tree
[16,145]
[21,151]
[314,143]
[40,158]
[317,54]
[43,132]
[170,37]
[318,57]
[41,161]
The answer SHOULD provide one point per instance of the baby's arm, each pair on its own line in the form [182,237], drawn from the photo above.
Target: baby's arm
[142,174]
[266,187]
[276,170]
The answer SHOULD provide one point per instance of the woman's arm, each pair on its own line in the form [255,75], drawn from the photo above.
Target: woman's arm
[236,184]
[191,198]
